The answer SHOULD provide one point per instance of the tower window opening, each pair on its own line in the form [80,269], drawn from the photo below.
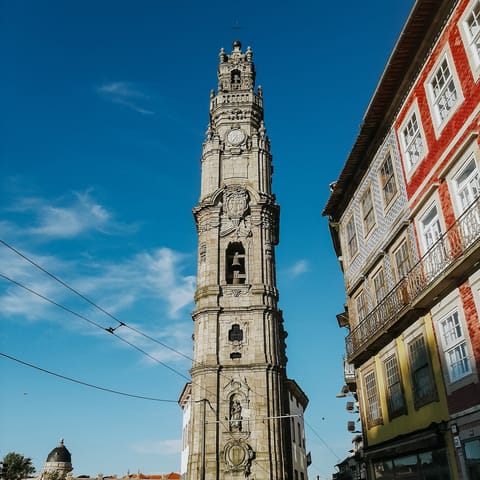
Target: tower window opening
[235,355]
[236,78]
[235,333]
[236,274]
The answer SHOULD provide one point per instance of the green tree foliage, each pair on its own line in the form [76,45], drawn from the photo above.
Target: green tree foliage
[55,475]
[16,466]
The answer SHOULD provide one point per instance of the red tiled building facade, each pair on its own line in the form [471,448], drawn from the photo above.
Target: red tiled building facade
[404,216]
[441,167]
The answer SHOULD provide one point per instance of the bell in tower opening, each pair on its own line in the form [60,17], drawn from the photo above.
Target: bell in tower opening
[241,413]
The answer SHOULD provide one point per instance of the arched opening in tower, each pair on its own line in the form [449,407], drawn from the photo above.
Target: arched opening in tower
[236,77]
[235,262]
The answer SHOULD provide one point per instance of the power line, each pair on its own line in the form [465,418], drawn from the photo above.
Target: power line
[322,440]
[57,279]
[95,305]
[86,384]
[43,297]
[112,331]
[121,323]
[91,302]
[82,317]
[109,330]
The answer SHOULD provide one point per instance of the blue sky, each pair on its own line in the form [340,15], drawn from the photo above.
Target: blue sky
[104,111]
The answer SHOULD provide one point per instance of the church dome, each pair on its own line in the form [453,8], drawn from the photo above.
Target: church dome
[59,454]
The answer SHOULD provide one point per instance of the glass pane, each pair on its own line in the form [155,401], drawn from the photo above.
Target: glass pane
[406,467]
[434,465]
[383,470]
[472,449]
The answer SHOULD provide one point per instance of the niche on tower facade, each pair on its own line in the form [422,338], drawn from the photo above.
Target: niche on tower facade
[235,79]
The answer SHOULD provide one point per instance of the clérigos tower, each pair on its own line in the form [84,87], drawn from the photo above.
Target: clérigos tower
[241,413]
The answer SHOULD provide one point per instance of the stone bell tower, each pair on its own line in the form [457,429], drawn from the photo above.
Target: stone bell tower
[237,414]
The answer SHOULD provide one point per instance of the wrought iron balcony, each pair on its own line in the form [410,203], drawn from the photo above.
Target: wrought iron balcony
[446,265]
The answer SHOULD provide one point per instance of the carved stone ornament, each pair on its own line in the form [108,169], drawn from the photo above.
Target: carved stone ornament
[238,456]
[207,225]
[235,208]
[236,291]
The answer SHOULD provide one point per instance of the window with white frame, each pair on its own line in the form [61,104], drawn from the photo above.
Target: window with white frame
[430,227]
[402,260]
[412,142]
[387,180]
[351,231]
[436,254]
[393,381]
[467,185]
[454,347]
[471,33]
[423,384]
[379,285]
[374,412]
[444,92]
[368,212]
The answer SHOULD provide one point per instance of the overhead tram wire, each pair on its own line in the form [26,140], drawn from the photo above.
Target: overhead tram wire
[99,326]
[109,330]
[120,324]
[91,302]
[322,440]
[83,317]
[101,309]
[97,387]
[86,384]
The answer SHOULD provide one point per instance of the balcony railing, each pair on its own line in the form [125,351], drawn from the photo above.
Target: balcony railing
[454,254]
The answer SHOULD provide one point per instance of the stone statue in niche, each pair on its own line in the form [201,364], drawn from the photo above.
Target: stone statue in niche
[235,414]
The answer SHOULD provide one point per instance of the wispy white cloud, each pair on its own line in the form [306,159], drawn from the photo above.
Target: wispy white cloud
[64,218]
[298,268]
[147,275]
[149,289]
[127,94]
[162,276]
[151,284]
[16,301]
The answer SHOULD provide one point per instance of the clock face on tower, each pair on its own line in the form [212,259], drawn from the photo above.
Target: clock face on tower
[236,136]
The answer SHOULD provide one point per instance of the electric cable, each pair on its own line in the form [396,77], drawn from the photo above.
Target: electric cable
[86,384]
[95,305]
[43,297]
[82,317]
[109,330]
[104,389]
[120,323]
[322,440]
